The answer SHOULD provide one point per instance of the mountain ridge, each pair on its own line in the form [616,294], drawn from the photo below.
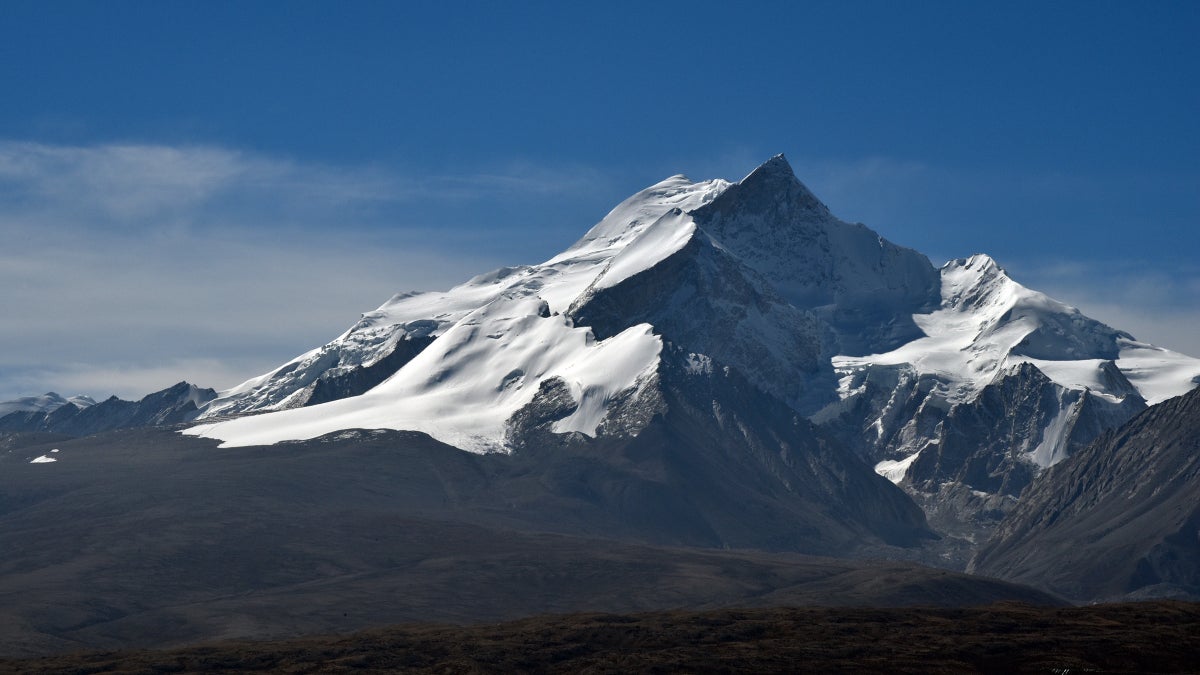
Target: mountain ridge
[912,368]
[180,402]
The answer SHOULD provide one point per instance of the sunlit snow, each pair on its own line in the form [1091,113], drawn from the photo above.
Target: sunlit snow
[894,470]
[499,336]
[654,213]
[983,323]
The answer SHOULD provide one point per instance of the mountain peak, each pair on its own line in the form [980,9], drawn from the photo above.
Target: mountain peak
[777,226]
[774,182]
[981,263]
[82,400]
[776,165]
[44,403]
[775,172]
[972,280]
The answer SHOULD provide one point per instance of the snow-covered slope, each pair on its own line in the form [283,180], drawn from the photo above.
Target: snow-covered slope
[474,377]
[636,234]
[987,323]
[489,343]
[986,328]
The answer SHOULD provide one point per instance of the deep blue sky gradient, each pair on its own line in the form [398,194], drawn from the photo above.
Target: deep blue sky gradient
[1108,91]
[1062,138]
[1067,86]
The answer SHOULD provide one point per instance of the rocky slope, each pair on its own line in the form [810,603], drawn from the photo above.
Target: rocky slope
[1120,518]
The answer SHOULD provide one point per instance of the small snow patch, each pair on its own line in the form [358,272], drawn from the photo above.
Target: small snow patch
[698,364]
[894,470]
[44,459]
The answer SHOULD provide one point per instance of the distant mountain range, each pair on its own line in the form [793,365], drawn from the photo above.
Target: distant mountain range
[45,403]
[82,416]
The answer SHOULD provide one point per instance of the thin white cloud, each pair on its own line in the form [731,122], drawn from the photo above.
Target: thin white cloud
[134,380]
[128,306]
[131,184]
[1155,303]
[119,181]
[126,268]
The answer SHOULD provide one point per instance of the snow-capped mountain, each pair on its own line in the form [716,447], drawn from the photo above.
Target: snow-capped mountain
[45,403]
[709,265]
[960,384]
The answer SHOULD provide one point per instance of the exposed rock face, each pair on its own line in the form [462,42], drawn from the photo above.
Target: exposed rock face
[360,359]
[864,286]
[337,383]
[1018,424]
[967,463]
[533,424]
[697,454]
[1119,518]
[704,299]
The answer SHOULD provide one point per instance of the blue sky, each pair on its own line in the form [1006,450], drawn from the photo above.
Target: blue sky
[202,190]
